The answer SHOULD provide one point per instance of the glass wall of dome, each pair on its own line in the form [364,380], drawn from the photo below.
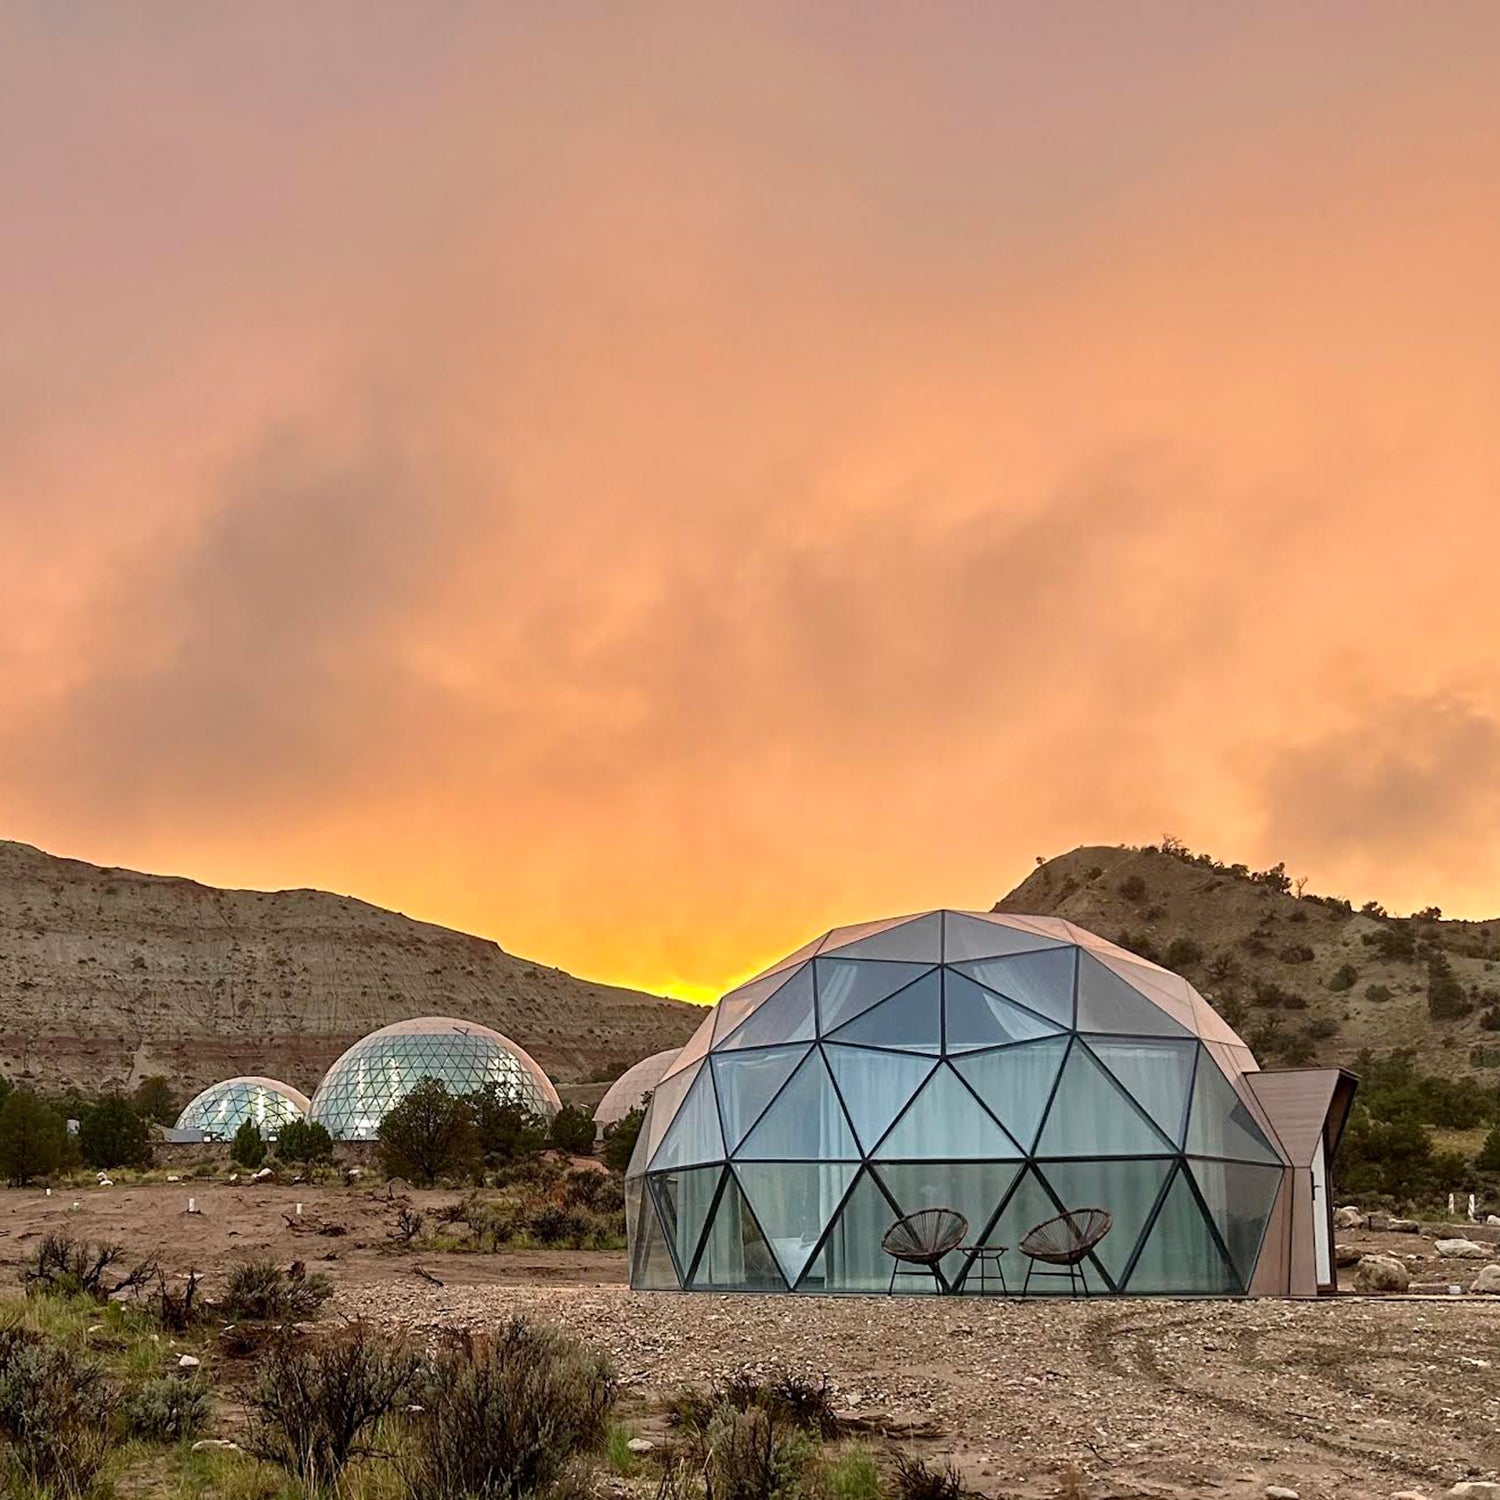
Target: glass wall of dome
[1010,1068]
[379,1070]
[222,1108]
[632,1086]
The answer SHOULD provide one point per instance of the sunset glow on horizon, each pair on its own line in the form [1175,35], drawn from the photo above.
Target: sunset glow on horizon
[648,484]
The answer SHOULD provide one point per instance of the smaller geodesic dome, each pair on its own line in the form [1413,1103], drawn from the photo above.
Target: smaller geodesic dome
[629,1090]
[222,1108]
[380,1070]
[1008,1068]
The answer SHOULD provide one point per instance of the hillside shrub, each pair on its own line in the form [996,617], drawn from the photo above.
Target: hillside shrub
[247,1148]
[32,1138]
[1377,993]
[429,1134]
[167,1408]
[508,1416]
[1183,953]
[1446,1000]
[1296,953]
[916,1480]
[315,1405]
[1133,888]
[259,1291]
[61,1266]
[305,1141]
[1343,978]
[56,1408]
[1488,1159]
[1394,941]
[749,1455]
[573,1131]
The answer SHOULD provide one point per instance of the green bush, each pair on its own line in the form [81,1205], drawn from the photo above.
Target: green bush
[1296,953]
[507,1131]
[1183,953]
[573,1131]
[112,1134]
[247,1148]
[916,1481]
[751,1456]
[64,1267]
[315,1405]
[1377,993]
[1446,1000]
[429,1134]
[508,1416]
[1488,1159]
[154,1100]
[1343,978]
[620,1138]
[32,1138]
[304,1140]
[1133,888]
[259,1291]
[56,1409]
[167,1408]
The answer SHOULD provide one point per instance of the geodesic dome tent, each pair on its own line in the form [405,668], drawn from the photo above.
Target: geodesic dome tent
[220,1110]
[1008,1067]
[627,1091]
[379,1070]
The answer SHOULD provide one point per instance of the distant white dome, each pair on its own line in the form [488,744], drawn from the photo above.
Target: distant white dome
[628,1090]
[380,1070]
[222,1108]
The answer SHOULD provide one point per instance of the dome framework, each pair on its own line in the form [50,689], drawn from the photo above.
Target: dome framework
[379,1070]
[223,1107]
[631,1087]
[1008,1067]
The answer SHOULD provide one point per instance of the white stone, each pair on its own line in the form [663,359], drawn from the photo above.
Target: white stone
[1278,1492]
[261,1175]
[640,1445]
[1492,1218]
[1380,1275]
[189,1362]
[1348,1218]
[1461,1250]
[1408,1495]
[1488,1279]
[1473,1489]
[174,1177]
[208,1445]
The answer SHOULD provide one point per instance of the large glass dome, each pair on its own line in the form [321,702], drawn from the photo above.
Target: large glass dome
[632,1086]
[379,1070]
[1011,1068]
[222,1108]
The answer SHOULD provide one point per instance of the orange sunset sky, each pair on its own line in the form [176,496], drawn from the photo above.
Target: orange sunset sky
[649,482]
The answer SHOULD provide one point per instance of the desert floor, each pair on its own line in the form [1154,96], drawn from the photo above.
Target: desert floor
[1344,1397]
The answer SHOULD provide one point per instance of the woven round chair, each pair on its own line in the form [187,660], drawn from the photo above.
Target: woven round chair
[922,1240]
[1065,1241]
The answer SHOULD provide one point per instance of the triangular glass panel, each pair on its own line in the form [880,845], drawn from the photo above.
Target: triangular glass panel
[1240,1198]
[787,1016]
[1042,982]
[1091,1115]
[1220,1123]
[1015,1083]
[793,1203]
[851,1259]
[841,937]
[1031,1204]
[735,1255]
[665,1100]
[1127,1188]
[748,1081]
[946,1122]
[848,986]
[977,1017]
[966,936]
[1158,1075]
[683,1200]
[805,1122]
[651,1267]
[919,940]
[739,1004]
[1170,991]
[696,1047]
[973,1188]
[876,1086]
[694,1136]
[911,1020]
[1108,1003]
[1180,1254]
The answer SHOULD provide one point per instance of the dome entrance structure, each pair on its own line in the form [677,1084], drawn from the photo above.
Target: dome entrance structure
[379,1070]
[1011,1068]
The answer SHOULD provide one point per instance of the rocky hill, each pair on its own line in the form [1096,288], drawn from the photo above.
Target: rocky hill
[107,976]
[1304,978]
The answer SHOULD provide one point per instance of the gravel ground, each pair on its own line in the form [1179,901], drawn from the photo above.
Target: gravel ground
[1344,1398]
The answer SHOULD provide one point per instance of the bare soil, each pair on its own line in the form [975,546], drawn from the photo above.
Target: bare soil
[1344,1397]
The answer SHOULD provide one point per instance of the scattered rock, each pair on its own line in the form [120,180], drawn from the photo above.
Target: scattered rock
[1473,1489]
[1279,1492]
[189,1362]
[1380,1275]
[1488,1280]
[1492,1218]
[1401,1226]
[261,1175]
[1408,1495]
[1348,1218]
[1345,1256]
[174,1177]
[208,1445]
[640,1445]
[1461,1249]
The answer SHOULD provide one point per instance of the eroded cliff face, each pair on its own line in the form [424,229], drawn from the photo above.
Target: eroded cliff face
[109,975]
